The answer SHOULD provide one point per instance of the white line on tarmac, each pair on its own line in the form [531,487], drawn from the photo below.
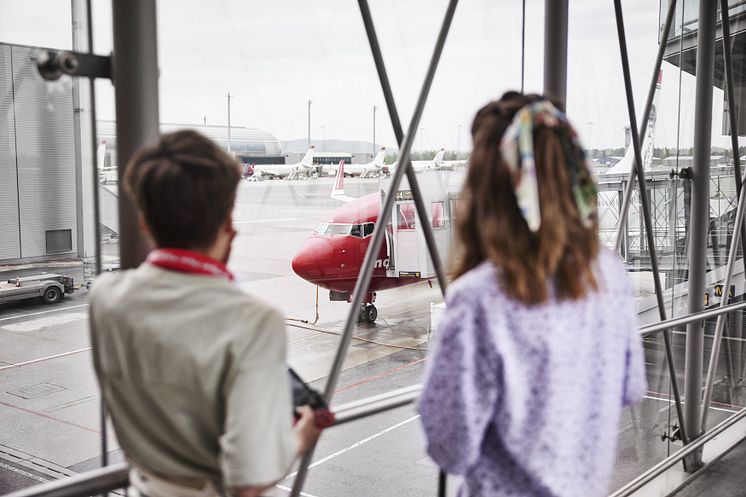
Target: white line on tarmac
[733,339]
[671,402]
[356,444]
[24,473]
[273,220]
[24,326]
[17,316]
[288,490]
[41,359]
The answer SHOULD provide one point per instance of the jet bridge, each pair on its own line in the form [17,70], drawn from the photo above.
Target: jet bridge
[407,249]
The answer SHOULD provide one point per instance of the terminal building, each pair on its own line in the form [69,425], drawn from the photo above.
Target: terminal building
[51,166]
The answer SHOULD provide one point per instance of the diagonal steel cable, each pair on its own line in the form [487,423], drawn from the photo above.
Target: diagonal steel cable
[366,270]
[638,167]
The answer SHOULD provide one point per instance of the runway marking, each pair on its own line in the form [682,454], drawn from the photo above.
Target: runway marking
[273,220]
[288,490]
[355,445]
[670,401]
[734,339]
[42,312]
[306,338]
[381,375]
[42,359]
[45,322]
[29,411]
[24,473]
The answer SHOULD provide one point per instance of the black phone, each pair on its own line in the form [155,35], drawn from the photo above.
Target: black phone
[303,395]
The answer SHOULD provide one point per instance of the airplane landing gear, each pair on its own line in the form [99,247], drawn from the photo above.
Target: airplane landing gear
[368,313]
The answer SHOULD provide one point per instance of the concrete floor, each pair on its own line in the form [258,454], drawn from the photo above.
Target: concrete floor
[49,402]
[725,478]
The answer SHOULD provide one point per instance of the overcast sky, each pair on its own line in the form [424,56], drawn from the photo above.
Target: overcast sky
[274,56]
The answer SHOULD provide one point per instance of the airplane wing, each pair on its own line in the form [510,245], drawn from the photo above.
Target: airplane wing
[338,190]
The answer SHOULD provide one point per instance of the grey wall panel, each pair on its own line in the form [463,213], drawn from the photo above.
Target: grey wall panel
[46,154]
[10,242]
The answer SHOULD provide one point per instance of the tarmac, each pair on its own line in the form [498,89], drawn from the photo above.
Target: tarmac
[50,404]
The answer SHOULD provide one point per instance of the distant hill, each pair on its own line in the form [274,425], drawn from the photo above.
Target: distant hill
[332,145]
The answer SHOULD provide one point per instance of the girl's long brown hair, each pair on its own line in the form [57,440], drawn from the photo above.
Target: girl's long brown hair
[490,226]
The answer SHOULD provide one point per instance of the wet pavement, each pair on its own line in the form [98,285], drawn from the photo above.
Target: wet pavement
[49,401]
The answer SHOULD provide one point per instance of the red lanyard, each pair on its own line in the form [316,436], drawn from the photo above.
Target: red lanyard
[186,261]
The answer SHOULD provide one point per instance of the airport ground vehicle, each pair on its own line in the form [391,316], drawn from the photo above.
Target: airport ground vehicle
[50,287]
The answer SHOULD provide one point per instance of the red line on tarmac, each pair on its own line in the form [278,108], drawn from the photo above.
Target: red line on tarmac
[379,376]
[49,417]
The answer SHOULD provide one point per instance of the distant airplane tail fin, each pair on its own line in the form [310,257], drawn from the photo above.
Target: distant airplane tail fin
[307,160]
[338,190]
[101,156]
[439,156]
[647,149]
[378,159]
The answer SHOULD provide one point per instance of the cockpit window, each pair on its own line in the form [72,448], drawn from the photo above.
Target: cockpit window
[362,230]
[337,229]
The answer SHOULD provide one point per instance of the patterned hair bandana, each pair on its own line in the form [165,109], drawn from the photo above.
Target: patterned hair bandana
[517,148]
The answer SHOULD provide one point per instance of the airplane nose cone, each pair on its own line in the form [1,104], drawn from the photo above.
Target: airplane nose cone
[314,260]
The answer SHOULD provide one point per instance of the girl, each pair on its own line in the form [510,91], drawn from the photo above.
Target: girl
[538,349]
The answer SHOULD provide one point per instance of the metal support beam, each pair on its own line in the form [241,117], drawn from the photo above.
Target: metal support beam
[737,225]
[135,64]
[644,126]
[52,64]
[366,271]
[718,335]
[555,49]
[638,169]
[732,108]
[700,219]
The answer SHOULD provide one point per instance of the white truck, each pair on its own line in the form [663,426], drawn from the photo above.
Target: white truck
[50,287]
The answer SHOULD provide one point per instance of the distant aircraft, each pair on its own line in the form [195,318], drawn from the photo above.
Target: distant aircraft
[436,162]
[332,257]
[625,165]
[372,168]
[285,170]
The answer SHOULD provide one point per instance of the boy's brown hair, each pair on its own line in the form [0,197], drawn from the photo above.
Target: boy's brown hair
[185,187]
[490,225]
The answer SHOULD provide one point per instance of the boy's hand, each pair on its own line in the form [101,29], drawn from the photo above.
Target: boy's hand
[306,430]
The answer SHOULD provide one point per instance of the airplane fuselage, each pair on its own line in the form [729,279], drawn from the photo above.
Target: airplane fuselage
[333,256]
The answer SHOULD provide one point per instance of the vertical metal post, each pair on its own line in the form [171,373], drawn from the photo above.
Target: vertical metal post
[83,161]
[555,49]
[523,47]
[135,67]
[645,205]
[374,130]
[737,226]
[654,81]
[90,195]
[309,123]
[458,140]
[732,109]
[230,145]
[405,165]
[700,218]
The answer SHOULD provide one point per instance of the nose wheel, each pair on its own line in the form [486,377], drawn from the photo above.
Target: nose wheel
[368,313]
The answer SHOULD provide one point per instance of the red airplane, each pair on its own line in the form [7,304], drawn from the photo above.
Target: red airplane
[332,257]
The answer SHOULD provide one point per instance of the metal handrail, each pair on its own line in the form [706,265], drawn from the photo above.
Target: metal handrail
[677,457]
[654,328]
[108,478]
[94,482]
[116,476]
